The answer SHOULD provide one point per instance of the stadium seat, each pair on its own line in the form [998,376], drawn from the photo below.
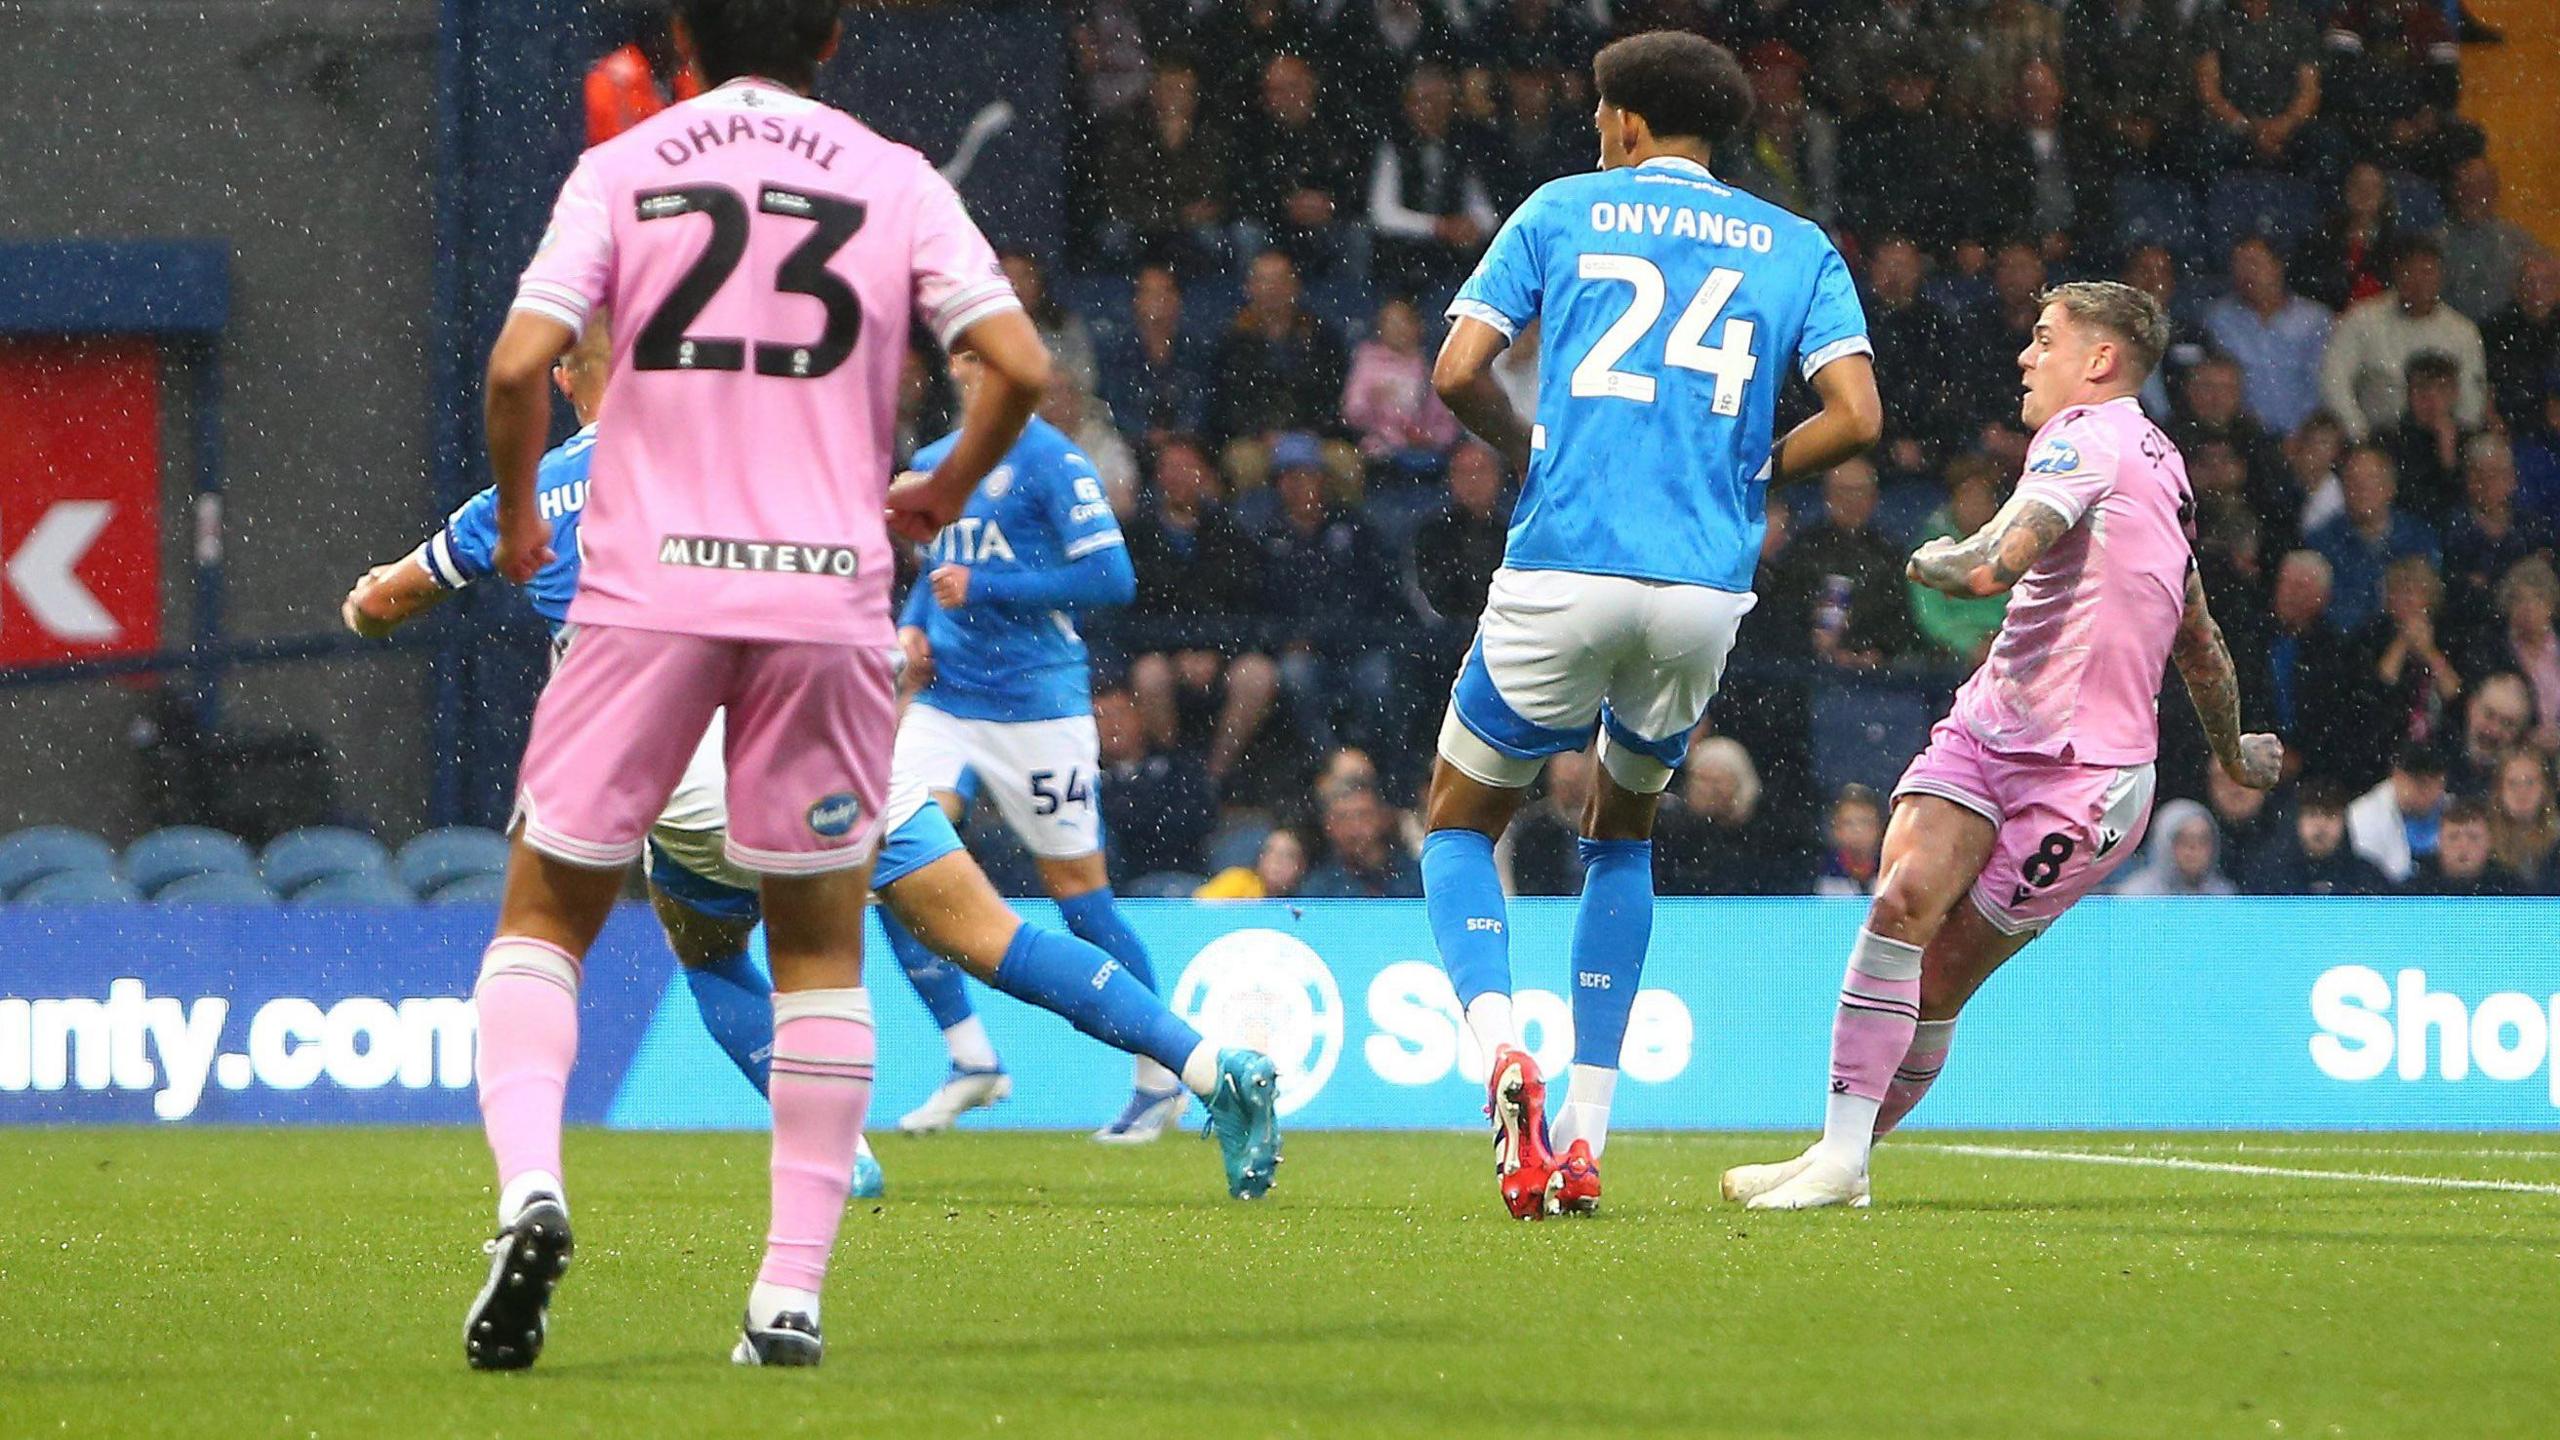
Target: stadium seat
[1237,844]
[355,887]
[30,855]
[215,887]
[2157,212]
[471,890]
[1164,885]
[299,857]
[2283,208]
[164,856]
[80,887]
[440,857]
[1863,734]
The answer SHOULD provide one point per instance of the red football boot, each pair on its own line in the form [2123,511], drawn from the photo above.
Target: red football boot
[1578,1180]
[1516,1098]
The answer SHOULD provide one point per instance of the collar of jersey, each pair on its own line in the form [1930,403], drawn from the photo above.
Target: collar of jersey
[1677,162]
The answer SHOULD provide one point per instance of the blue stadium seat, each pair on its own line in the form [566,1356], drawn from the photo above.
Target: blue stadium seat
[30,855]
[355,887]
[2283,208]
[440,857]
[2157,212]
[1163,885]
[80,887]
[299,857]
[471,890]
[1865,733]
[215,887]
[1237,844]
[173,854]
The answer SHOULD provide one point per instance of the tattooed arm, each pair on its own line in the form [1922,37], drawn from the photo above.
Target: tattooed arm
[2256,761]
[1993,557]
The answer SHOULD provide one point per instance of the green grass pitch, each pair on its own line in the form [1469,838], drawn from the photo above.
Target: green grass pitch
[310,1283]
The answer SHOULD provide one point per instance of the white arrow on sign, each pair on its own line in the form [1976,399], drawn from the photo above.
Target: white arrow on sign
[41,572]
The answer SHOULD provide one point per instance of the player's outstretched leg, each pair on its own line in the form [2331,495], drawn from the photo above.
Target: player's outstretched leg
[1093,916]
[977,1078]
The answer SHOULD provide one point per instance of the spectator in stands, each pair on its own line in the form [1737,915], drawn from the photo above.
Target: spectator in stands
[2213,408]
[1069,338]
[2428,442]
[2396,823]
[2397,83]
[1107,45]
[2363,376]
[1165,177]
[1279,868]
[2126,62]
[1960,630]
[1083,420]
[1205,689]
[1997,48]
[2488,536]
[1363,859]
[1240,38]
[1873,44]
[1373,46]
[2314,859]
[1746,26]
[1551,33]
[2274,335]
[2183,856]
[2413,687]
[2154,271]
[2348,259]
[1898,163]
[1545,842]
[1279,367]
[2028,176]
[1334,588]
[2523,642]
[1845,577]
[2313,497]
[637,81]
[2017,285]
[2309,676]
[1789,155]
[2369,533]
[1457,549]
[1429,208]
[2484,252]
[1295,177]
[1157,804]
[2493,727]
[1151,366]
[1536,141]
[1855,854]
[2245,818]
[2523,342]
[1388,402]
[2524,821]
[1925,401]
[2460,866]
[1709,840]
[2258,82]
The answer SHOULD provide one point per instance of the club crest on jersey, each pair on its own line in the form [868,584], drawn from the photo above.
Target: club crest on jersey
[998,481]
[2054,457]
[835,816]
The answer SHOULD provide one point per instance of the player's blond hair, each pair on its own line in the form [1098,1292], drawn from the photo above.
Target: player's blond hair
[2128,312]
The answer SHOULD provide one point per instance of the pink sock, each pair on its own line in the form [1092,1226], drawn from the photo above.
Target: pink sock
[821,1089]
[1870,1033]
[1918,1071]
[527,1001]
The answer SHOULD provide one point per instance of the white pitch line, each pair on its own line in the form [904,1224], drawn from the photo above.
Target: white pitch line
[2245,1147]
[2222,1167]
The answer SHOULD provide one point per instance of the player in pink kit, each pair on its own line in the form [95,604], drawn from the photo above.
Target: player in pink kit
[765,256]
[2039,784]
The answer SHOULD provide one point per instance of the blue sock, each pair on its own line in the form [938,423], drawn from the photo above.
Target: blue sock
[939,983]
[1462,895]
[1095,993]
[1611,929]
[736,1002]
[1094,917]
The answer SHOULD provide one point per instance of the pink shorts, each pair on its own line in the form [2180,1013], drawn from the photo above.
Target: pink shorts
[2063,828]
[810,729]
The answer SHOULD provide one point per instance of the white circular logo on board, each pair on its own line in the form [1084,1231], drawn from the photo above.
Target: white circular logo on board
[1270,992]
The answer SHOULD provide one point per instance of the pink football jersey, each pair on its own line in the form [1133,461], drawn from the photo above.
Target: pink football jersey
[2075,672]
[763,256]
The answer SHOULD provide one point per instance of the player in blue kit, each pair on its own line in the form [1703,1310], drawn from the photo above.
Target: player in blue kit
[1670,308]
[923,876]
[1004,704]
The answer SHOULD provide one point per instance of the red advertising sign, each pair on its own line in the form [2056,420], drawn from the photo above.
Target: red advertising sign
[79,499]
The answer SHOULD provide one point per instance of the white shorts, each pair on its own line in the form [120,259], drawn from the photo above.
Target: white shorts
[1559,651]
[1041,774]
[693,829]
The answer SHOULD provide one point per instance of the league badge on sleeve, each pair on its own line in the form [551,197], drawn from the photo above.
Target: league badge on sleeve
[2054,457]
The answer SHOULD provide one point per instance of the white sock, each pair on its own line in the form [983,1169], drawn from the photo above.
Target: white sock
[862,1147]
[1585,1112]
[1489,1020]
[1200,1072]
[1155,1079]
[1848,1130]
[970,1048]
[766,1301]
[512,1199]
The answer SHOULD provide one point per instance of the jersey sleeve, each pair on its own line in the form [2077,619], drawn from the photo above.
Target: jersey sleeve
[465,549]
[2069,470]
[1508,282]
[1080,509]
[957,280]
[1835,325]
[572,268]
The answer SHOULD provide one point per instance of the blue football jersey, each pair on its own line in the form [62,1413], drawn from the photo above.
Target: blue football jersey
[466,548]
[1669,305]
[1034,515]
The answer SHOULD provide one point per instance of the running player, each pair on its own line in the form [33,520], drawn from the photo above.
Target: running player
[2038,785]
[1003,699]
[709,908]
[767,254]
[1670,307]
